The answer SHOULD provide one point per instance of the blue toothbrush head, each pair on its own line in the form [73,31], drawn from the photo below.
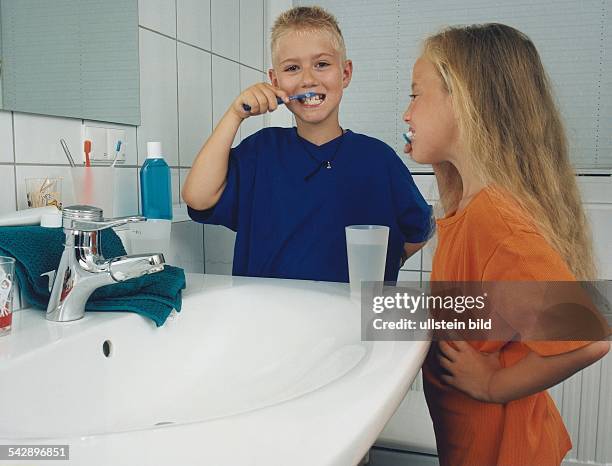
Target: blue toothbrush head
[306,95]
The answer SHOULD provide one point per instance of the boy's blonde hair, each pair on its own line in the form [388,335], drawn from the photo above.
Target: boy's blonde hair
[511,128]
[307,18]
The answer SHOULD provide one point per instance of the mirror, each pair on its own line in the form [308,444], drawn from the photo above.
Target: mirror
[72,58]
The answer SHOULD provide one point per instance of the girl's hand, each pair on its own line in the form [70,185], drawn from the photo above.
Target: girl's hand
[469,370]
[261,97]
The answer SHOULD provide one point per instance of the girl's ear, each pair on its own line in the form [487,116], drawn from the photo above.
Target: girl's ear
[273,78]
[347,73]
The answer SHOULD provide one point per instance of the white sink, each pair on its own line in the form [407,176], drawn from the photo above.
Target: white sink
[252,371]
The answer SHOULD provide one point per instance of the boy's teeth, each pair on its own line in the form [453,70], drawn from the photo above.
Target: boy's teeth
[313,100]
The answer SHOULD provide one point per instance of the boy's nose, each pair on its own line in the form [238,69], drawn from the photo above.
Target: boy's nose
[308,79]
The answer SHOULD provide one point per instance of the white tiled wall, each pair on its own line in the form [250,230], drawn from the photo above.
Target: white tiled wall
[195,100]
[7,189]
[251,25]
[195,56]
[6,136]
[158,95]
[226,28]
[194,19]
[159,15]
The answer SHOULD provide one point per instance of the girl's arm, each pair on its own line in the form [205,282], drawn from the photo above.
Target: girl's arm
[481,376]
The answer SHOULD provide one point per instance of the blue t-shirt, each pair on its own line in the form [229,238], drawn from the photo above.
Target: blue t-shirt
[289,227]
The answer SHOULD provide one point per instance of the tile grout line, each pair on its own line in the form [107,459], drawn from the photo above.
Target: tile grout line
[14,159]
[178,108]
[42,164]
[199,48]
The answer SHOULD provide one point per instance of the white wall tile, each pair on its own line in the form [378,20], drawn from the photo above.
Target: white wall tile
[273,8]
[225,20]
[195,101]
[409,276]
[426,276]
[176,183]
[37,138]
[428,252]
[129,145]
[6,136]
[193,22]
[427,185]
[600,218]
[159,15]
[595,188]
[226,85]
[252,124]
[186,247]
[219,249]
[7,189]
[218,268]
[33,171]
[252,33]
[413,262]
[158,100]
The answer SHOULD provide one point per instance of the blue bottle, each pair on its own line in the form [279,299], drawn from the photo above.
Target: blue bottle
[155,185]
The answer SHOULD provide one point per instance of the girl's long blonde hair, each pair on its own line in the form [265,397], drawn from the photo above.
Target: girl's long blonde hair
[511,128]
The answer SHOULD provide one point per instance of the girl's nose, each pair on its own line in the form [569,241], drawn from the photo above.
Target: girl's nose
[407,117]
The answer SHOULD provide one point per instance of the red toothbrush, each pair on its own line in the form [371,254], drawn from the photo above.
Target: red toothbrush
[87,147]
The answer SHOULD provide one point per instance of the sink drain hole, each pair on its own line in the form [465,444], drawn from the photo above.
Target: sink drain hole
[107,348]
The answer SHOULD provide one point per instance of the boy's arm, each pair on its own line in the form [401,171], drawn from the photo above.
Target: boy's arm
[481,376]
[410,249]
[207,178]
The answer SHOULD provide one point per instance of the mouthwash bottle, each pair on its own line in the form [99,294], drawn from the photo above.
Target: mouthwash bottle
[155,185]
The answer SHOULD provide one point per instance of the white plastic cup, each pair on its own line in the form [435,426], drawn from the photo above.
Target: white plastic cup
[95,186]
[7,286]
[366,248]
[148,237]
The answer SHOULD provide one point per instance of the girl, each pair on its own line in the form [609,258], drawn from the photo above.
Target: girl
[483,115]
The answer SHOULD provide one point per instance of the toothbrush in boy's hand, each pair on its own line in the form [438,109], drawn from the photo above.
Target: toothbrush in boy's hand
[247,107]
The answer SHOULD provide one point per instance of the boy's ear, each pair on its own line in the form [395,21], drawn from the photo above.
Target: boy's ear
[347,73]
[273,78]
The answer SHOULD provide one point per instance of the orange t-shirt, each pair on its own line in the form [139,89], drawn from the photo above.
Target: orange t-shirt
[489,241]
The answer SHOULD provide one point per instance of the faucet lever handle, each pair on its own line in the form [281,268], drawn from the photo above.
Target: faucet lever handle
[90,218]
[96,225]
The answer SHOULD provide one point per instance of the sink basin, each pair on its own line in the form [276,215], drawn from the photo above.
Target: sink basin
[273,367]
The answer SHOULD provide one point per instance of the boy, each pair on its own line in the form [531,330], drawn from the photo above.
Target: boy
[289,192]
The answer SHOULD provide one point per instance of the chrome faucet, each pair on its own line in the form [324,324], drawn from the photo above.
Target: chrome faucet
[83,269]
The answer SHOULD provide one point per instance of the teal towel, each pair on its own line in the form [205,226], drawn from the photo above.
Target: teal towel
[38,250]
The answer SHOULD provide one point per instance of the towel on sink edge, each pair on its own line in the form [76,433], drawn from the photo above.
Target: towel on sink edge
[38,250]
